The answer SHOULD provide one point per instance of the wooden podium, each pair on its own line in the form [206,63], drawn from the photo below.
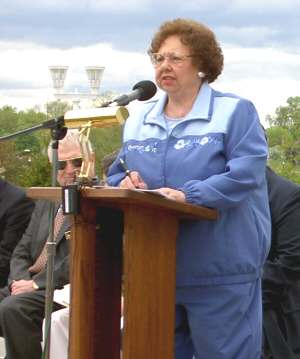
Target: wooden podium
[123,238]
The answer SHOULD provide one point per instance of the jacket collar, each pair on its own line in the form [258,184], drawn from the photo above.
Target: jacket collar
[202,107]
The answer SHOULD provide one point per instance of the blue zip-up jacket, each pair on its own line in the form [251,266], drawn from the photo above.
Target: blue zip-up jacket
[217,156]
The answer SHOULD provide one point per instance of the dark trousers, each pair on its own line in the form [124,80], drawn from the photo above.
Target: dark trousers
[281,334]
[21,318]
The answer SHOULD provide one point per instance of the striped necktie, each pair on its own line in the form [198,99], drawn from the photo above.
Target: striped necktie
[41,261]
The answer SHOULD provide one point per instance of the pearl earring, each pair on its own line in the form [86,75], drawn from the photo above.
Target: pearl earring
[201,74]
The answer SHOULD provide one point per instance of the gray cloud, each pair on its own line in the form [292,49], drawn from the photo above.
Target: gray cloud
[259,38]
[8,85]
[68,24]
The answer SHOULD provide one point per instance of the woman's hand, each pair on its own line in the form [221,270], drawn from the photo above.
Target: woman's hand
[133,180]
[172,194]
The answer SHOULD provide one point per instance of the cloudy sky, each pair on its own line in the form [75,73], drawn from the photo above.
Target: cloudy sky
[260,41]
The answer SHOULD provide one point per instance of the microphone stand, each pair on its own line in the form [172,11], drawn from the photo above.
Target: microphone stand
[58,132]
[56,123]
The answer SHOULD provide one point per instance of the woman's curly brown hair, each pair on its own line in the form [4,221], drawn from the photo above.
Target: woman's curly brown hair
[206,51]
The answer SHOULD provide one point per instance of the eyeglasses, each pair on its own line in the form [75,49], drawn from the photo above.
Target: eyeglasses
[76,162]
[157,59]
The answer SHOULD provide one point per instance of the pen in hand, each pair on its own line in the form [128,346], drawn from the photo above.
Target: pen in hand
[135,179]
[125,168]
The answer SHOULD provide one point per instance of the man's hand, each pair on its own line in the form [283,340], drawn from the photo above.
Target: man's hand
[21,286]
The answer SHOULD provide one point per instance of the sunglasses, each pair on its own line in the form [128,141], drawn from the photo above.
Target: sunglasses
[76,162]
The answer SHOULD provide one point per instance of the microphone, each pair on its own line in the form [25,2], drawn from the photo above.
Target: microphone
[141,91]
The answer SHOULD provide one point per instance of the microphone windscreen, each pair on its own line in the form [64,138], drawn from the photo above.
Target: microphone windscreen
[147,89]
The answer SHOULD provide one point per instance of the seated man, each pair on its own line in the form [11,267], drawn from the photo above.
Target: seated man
[281,277]
[60,319]
[22,301]
[15,213]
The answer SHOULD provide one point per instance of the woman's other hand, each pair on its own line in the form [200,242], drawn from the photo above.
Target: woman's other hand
[172,194]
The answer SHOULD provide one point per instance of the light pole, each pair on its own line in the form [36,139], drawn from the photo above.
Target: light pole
[94,74]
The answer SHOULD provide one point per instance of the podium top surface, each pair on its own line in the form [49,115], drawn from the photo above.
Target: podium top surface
[120,198]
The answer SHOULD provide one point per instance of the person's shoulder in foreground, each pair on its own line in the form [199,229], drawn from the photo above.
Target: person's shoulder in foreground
[281,275]
[15,213]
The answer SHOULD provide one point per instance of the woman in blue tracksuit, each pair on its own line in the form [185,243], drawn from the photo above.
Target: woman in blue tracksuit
[204,147]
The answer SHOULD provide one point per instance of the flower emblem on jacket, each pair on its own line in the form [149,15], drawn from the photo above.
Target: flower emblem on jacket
[180,144]
[204,141]
[195,142]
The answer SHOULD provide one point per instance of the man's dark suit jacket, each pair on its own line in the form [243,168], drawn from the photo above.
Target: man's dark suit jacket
[15,213]
[31,245]
[281,278]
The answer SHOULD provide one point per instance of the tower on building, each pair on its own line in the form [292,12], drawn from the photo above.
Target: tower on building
[94,74]
[58,74]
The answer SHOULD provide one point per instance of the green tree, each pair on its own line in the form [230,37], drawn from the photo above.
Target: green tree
[7,162]
[287,116]
[8,120]
[57,108]
[284,139]
[22,159]
[105,141]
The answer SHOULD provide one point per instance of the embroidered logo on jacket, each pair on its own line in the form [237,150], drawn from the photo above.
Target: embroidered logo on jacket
[152,147]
